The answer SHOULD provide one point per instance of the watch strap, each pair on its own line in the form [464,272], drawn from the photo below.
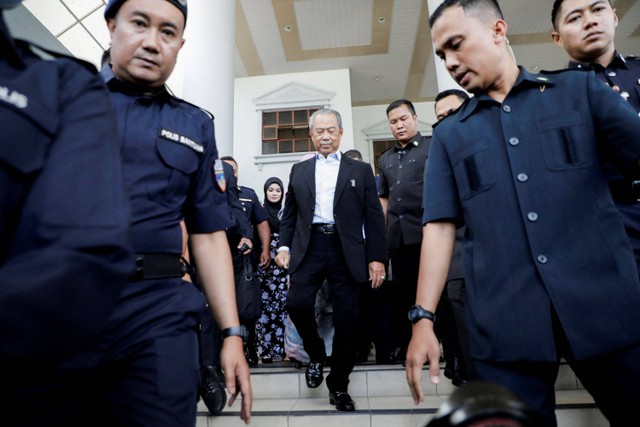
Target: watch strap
[235,331]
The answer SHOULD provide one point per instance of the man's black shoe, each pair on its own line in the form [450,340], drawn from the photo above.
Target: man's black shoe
[313,375]
[212,391]
[342,401]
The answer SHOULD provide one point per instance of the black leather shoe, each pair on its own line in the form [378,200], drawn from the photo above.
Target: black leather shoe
[313,375]
[342,401]
[212,391]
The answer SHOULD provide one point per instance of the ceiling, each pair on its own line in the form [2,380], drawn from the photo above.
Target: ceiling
[385,44]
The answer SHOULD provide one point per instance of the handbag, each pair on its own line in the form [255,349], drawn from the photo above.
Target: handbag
[248,293]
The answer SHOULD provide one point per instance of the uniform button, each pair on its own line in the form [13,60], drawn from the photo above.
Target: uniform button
[397,182]
[400,167]
[533,217]
[523,177]
[542,259]
[514,141]
[399,199]
[401,217]
[506,108]
[612,74]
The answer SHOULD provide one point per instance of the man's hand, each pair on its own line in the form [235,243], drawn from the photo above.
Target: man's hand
[265,258]
[236,374]
[423,345]
[282,259]
[248,242]
[376,274]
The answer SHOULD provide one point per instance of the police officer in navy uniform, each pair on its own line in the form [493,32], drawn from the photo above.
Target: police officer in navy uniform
[548,267]
[256,215]
[170,169]
[65,252]
[586,30]
[401,179]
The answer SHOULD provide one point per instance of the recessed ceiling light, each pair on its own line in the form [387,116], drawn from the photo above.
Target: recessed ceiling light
[377,78]
[288,28]
[381,20]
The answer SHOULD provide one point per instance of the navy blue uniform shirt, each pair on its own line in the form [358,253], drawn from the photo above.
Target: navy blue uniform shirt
[401,181]
[253,209]
[168,152]
[542,230]
[622,72]
[65,252]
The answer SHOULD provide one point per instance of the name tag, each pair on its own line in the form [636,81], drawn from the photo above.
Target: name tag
[181,139]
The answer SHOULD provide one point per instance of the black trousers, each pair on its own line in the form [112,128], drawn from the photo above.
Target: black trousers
[613,379]
[325,260]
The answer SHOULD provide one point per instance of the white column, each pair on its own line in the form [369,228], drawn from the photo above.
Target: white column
[205,71]
[445,81]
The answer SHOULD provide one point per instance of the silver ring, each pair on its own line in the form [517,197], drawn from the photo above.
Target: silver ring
[383,277]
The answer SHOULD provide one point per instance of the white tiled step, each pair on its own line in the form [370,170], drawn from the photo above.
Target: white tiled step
[281,399]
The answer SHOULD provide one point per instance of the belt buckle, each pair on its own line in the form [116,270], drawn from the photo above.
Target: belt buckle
[635,191]
[328,229]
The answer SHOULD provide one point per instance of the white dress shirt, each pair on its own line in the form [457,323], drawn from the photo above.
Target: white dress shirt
[326,177]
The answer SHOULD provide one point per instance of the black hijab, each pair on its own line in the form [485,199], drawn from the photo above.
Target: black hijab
[273,208]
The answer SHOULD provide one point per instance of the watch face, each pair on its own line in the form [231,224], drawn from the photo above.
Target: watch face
[413,314]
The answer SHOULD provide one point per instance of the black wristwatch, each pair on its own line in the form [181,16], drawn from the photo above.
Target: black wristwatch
[236,331]
[418,313]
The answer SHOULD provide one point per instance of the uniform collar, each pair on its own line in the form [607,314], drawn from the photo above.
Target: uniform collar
[415,141]
[525,79]
[618,61]
[8,46]
[116,85]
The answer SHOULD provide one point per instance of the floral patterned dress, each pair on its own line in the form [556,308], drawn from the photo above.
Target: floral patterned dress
[270,326]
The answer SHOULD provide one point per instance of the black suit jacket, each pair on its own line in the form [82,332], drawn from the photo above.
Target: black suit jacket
[355,205]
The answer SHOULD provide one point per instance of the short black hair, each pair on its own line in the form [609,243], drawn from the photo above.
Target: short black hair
[400,102]
[462,95]
[353,154]
[225,158]
[554,12]
[466,5]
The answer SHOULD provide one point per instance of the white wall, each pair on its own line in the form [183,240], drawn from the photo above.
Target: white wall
[247,120]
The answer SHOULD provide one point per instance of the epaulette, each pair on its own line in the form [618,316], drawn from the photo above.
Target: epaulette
[207,112]
[49,55]
[631,58]
[564,70]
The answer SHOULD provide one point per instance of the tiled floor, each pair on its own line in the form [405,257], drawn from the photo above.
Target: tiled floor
[382,399]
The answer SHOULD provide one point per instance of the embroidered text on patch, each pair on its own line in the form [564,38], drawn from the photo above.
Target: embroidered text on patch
[13,97]
[181,139]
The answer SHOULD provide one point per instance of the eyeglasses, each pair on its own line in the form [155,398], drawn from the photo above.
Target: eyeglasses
[320,131]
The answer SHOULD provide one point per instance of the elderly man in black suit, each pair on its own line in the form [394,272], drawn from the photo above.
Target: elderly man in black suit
[331,205]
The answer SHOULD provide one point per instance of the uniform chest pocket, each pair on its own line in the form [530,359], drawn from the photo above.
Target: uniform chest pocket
[179,163]
[28,145]
[564,142]
[472,169]
[416,170]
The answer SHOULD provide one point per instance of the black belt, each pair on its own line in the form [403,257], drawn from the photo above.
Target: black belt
[625,191]
[325,228]
[158,266]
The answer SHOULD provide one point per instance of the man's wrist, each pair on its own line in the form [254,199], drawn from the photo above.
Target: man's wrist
[283,248]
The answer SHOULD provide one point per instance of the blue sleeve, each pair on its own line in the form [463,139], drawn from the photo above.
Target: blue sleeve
[207,209]
[259,213]
[70,256]
[440,194]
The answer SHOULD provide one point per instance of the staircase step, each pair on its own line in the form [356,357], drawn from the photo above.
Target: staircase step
[282,399]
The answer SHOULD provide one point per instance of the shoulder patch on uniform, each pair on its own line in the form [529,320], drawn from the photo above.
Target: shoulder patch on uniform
[181,139]
[218,174]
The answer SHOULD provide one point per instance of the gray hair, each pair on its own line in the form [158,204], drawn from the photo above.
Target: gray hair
[325,111]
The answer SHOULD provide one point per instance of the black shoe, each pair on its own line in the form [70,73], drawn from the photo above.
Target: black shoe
[313,375]
[342,401]
[267,360]
[212,391]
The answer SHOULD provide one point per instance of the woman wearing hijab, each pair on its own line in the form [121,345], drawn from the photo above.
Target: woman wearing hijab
[270,326]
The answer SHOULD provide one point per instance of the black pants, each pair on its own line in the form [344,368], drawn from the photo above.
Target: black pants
[613,379]
[325,260]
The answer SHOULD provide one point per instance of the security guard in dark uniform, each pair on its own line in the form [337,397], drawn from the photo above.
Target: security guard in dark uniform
[573,21]
[400,192]
[171,173]
[256,215]
[65,252]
